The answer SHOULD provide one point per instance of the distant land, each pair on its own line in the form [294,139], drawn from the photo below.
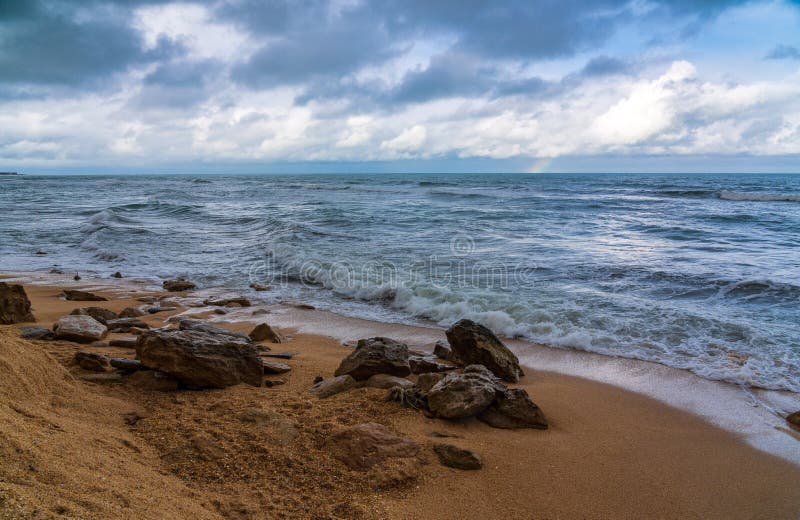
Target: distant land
[9,173]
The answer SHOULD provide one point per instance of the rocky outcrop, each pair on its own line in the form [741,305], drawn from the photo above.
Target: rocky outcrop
[463,395]
[82,296]
[15,307]
[201,359]
[273,367]
[126,324]
[91,361]
[376,356]
[263,332]
[427,364]
[473,343]
[367,444]
[178,285]
[328,387]
[386,381]
[101,314]
[514,409]
[202,326]
[227,302]
[80,329]
[40,333]
[455,457]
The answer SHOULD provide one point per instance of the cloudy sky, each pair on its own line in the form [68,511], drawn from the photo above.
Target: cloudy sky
[399,85]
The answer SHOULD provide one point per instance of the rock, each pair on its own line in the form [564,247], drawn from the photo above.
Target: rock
[82,296]
[426,381]
[442,351]
[98,344]
[333,386]
[80,329]
[318,379]
[91,361]
[455,457]
[137,330]
[475,344]
[264,332]
[76,277]
[227,302]
[279,355]
[178,285]
[56,271]
[201,359]
[116,275]
[126,324]
[463,395]
[41,333]
[376,356]
[15,307]
[258,287]
[361,447]
[260,312]
[220,311]
[202,326]
[123,342]
[794,419]
[273,367]
[386,381]
[424,365]
[40,253]
[127,365]
[304,306]
[147,299]
[155,309]
[130,312]
[99,313]
[269,383]
[514,409]
[153,380]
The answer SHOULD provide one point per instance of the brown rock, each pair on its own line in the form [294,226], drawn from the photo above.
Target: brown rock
[227,302]
[258,287]
[455,457]
[424,365]
[15,307]
[475,344]
[80,329]
[264,332]
[82,296]
[123,342]
[442,351]
[463,395]
[367,444]
[333,386]
[178,285]
[127,365]
[201,359]
[202,326]
[426,381]
[376,356]
[273,367]
[514,409]
[126,324]
[99,313]
[130,312]
[794,419]
[91,361]
[386,381]
[34,332]
[116,275]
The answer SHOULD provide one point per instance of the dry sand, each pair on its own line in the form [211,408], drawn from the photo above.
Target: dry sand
[247,452]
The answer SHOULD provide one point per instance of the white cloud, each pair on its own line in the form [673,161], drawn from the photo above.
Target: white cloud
[410,139]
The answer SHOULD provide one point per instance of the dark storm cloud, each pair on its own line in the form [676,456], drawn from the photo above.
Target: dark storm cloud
[178,85]
[784,52]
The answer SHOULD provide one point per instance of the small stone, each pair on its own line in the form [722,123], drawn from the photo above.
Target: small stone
[227,302]
[131,312]
[455,457]
[116,275]
[258,287]
[794,419]
[328,387]
[56,271]
[273,367]
[220,311]
[155,309]
[82,296]
[127,365]
[304,306]
[34,332]
[178,285]
[101,314]
[91,361]
[264,332]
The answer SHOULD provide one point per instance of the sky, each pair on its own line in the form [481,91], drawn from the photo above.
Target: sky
[399,85]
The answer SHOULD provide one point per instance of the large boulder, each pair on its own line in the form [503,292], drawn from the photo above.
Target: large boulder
[15,307]
[80,329]
[376,356]
[463,395]
[333,386]
[361,447]
[473,343]
[82,296]
[455,457]
[202,326]
[514,409]
[99,313]
[263,332]
[200,359]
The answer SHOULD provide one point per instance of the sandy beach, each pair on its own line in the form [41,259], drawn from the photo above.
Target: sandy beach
[608,453]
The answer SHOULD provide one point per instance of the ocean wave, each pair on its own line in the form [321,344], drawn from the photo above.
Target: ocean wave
[758,196]
[686,193]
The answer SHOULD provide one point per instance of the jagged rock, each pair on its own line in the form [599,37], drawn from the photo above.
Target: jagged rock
[361,447]
[91,361]
[127,365]
[426,381]
[333,386]
[41,333]
[455,457]
[126,324]
[15,307]
[101,314]
[202,326]
[201,359]
[376,356]
[442,351]
[794,419]
[178,285]
[475,344]
[463,395]
[424,365]
[258,287]
[386,381]
[82,296]
[153,380]
[514,409]
[264,332]
[273,367]
[123,342]
[80,329]
[227,302]
[131,312]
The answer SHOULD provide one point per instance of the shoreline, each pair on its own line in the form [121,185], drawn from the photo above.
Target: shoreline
[756,415]
[609,452]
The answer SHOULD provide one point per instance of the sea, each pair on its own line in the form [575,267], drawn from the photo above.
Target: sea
[699,272]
